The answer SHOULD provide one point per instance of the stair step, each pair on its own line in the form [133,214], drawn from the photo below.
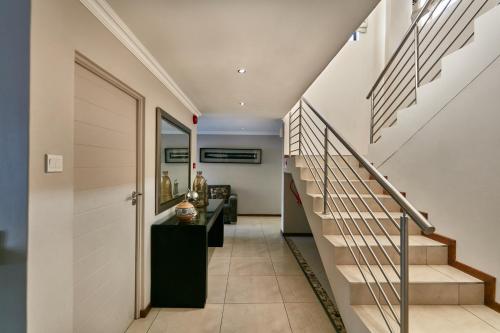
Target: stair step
[434,318]
[429,284]
[340,200]
[373,185]
[330,226]
[422,250]
[307,174]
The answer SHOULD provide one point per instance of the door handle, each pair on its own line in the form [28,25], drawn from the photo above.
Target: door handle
[134,197]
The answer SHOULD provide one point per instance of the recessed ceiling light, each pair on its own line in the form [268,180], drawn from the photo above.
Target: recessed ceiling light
[242,70]
[242,103]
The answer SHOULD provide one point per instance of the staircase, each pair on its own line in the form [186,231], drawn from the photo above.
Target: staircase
[418,82]
[386,274]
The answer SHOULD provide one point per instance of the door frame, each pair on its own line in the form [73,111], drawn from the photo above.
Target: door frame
[91,66]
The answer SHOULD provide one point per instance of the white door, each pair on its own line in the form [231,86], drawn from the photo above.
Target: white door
[105,175]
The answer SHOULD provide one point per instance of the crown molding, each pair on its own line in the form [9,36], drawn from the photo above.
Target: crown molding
[110,19]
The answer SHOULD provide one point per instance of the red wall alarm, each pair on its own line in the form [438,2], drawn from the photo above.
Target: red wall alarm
[195,119]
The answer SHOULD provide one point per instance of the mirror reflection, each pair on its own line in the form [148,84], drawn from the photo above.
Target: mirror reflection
[173,162]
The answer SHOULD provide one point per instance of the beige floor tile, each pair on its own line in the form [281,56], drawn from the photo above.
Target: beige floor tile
[255,318]
[250,250]
[253,289]
[216,292]
[222,251]
[286,266]
[280,251]
[296,289]
[218,266]
[207,320]
[308,318]
[142,325]
[251,266]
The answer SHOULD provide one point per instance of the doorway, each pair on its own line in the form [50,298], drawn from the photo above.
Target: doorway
[108,201]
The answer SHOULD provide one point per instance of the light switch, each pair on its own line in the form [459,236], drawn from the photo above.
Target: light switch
[53,163]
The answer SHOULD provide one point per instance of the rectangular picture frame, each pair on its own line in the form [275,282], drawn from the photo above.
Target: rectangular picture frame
[231,155]
[176,155]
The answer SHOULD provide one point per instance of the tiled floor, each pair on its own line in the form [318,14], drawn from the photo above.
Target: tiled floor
[254,286]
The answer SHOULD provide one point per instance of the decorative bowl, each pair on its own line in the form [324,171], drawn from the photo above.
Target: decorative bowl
[185,211]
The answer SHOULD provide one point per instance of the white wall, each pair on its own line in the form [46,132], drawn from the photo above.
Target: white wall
[258,185]
[59,28]
[449,168]
[339,91]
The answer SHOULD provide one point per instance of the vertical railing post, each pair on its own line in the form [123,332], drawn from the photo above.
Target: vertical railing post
[325,172]
[289,134]
[404,271]
[417,62]
[300,126]
[372,115]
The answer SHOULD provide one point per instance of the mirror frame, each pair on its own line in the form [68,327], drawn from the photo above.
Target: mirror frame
[163,115]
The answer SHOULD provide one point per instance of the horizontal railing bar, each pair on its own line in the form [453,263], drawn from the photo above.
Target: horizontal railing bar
[437,20]
[441,27]
[376,112]
[454,40]
[320,143]
[368,227]
[407,35]
[295,127]
[349,230]
[411,79]
[396,109]
[373,195]
[430,17]
[375,298]
[417,217]
[394,79]
[394,68]
[312,120]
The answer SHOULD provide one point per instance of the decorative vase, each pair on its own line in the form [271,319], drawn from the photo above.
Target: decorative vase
[200,186]
[185,211]
[176,187]
[166,188]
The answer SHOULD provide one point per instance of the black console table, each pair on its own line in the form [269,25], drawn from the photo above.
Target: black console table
[179,257]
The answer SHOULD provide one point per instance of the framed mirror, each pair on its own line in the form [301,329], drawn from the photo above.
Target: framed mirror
[173,161]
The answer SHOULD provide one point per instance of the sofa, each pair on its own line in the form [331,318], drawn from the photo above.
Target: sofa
[230,201]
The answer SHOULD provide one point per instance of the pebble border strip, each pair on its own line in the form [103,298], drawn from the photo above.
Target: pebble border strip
[328,304]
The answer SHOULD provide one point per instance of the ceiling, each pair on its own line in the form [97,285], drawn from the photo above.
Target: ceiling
[283,45]
[238,124]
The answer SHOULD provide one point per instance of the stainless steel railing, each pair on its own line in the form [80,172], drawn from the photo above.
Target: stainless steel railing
[441,27]
[326,154]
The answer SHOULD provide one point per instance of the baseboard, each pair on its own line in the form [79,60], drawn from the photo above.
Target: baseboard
[144,312]
[489,280]
[297,234]
[259,214]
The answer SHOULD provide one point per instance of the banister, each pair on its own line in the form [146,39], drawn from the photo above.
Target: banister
[400,46]
[416,216]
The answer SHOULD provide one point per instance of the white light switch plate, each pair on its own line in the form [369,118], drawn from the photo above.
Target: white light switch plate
[53,163]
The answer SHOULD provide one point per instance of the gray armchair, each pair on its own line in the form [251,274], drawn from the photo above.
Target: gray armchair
[230,201]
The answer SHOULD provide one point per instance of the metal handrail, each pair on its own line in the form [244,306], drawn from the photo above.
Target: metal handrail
[430,35]
[400,46]
[415,215]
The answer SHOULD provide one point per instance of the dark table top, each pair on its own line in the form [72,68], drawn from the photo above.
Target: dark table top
[206,216]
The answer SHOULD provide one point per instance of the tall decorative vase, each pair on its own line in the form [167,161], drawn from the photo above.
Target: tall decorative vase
[200,186]
[166,187]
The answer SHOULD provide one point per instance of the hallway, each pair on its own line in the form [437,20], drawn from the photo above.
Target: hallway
[255,285]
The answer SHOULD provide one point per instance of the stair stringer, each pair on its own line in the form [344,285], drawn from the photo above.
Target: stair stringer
[339,285]
[458,71]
